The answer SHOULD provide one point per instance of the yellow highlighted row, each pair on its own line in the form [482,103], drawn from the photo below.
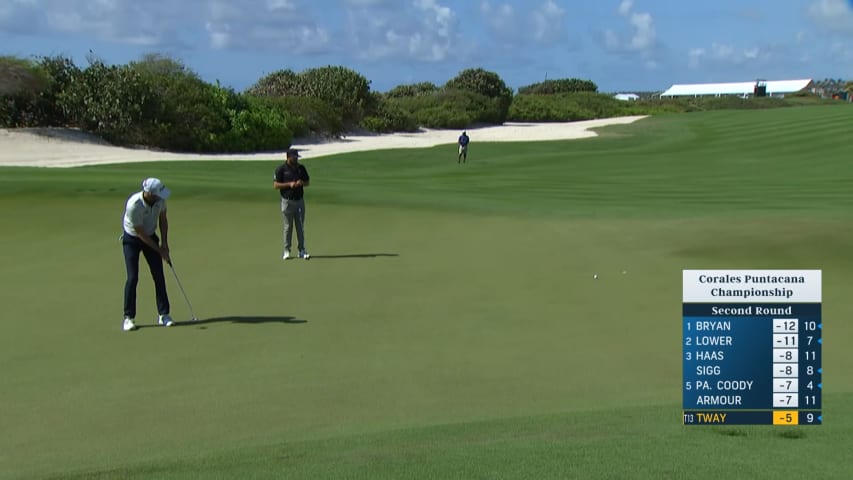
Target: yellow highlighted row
[786,417]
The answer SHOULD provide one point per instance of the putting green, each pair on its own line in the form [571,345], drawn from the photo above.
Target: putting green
[448,324]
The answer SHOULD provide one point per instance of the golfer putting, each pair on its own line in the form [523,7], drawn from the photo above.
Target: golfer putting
[144,212]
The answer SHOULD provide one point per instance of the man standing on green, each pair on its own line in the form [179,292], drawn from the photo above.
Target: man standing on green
[290,179]
[463,147]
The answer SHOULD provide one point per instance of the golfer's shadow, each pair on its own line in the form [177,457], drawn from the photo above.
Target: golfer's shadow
[247,320]
[357,255]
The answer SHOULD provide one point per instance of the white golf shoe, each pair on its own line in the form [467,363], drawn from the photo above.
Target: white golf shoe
[165,320]
[304,254]
[286,255]
[128,324]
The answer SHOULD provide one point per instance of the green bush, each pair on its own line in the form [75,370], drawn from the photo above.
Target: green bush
[345,90]
[489,85]
[535,108]
[158,66]
[293,121]
[654,106]
[21,82]
[110,101]
[281,83]
[452,108]
[159,102]
[566,107]
[190,114]
[62,73]
[18,75]
[221,120]
[599,105]
[477,80]
[699,104]
[412,90]
[31,96]
[562,85]
[480,108]
[307,116]
[388,116]
[444,117]
[15,110]
[255,127]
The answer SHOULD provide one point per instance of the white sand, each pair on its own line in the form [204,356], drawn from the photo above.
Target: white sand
[69,148]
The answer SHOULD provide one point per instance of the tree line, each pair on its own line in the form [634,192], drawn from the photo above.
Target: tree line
[158,102]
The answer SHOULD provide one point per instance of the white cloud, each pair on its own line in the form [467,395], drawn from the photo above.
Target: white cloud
[751,53]
[834,16]
[280,5]
[367,3]
[439,18]
[251,24]
[263,25]
[694,57]
[544,23]
[548,21]
[155,23]
[840,52]
[501,20]
[723,54]
[19,16]
[644,31]
[424,30]
[642,36]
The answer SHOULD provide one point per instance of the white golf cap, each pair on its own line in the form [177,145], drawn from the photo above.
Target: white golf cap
[155,186]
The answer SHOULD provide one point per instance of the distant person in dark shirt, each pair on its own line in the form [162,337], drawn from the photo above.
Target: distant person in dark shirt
[290,179]
[463,147]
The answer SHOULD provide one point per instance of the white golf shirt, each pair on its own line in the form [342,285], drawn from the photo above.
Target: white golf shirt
[138,212]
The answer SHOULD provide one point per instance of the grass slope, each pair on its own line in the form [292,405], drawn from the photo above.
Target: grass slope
[448,326]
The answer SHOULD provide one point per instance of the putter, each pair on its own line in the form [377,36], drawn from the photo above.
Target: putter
[194,319]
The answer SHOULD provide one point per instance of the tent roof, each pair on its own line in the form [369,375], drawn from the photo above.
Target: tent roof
[736,88]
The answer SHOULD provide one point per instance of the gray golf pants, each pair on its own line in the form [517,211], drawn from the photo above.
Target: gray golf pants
[293,212]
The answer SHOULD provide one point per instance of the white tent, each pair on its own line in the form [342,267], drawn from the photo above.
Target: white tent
[774,87]
[626,96]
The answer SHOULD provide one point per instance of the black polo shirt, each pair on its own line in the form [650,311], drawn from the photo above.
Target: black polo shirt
[285,173]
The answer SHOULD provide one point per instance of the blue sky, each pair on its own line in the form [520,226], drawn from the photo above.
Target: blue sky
[621,45]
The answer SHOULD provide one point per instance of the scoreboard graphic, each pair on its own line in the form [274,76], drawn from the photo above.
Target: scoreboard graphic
[751,347]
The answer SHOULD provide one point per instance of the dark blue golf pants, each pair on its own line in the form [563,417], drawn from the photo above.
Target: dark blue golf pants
[132,246]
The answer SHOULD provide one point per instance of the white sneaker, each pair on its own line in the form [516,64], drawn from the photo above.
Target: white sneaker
[286,255]
[304,254]
[128,324]
[165,320]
